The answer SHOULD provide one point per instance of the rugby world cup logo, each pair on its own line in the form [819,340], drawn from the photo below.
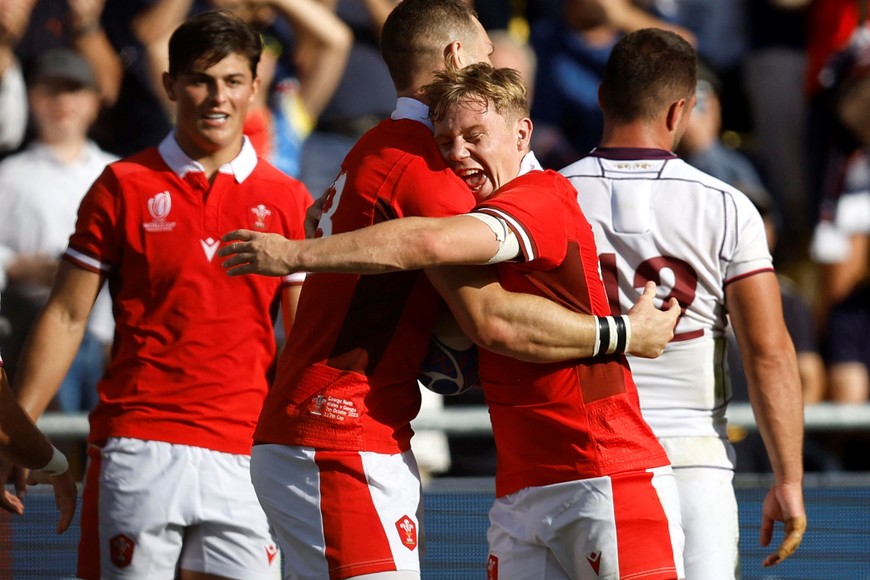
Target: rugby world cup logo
[159,207]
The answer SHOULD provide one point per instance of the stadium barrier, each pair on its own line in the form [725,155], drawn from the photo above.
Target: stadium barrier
[475,420]
[836,545]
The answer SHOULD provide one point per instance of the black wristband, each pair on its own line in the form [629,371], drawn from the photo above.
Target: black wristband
[620,334]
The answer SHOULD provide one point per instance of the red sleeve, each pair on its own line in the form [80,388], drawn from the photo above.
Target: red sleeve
[94,244]
[533,205]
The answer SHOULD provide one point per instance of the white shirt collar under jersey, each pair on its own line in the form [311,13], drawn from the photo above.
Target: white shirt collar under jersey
[408,108]
[530,163]
[177,160]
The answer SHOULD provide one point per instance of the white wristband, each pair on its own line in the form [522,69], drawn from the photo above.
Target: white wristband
[57,465]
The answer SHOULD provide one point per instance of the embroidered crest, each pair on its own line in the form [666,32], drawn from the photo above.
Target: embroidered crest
[260,216]
[492,568]
[121,549]
[407,532]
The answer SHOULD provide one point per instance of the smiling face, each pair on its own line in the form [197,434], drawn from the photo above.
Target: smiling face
[211,107]
[482,147]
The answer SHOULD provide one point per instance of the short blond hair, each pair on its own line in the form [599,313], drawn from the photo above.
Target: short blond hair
[501,88]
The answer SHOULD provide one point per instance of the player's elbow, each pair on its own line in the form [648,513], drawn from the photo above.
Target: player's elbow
[426,249]
[492,334]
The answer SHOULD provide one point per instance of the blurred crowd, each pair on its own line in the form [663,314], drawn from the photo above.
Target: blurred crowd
[782,113]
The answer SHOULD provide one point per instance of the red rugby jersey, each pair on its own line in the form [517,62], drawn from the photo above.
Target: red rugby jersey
[194,348]
[347,379]
[562,421]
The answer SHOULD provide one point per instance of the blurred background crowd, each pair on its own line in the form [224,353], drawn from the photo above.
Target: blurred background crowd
[783,113]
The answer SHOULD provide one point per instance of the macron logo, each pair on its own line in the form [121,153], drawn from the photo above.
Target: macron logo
[594,559]
[209,246]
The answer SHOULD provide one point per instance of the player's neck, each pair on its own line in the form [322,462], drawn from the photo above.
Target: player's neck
[636,135]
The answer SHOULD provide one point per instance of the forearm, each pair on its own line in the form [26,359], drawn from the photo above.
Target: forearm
[20,441]
[402,244]
[777,402]
[54,339]
[96,48]
[316,20]
[522,326]
[47,356]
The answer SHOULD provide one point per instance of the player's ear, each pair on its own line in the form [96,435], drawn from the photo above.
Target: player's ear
[168,85]
[524,134]
[676,111]
[453,55]
[255,89]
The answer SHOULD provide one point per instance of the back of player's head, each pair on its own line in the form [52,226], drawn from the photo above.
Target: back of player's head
[647,70]
[207,38]
[416,33]
[500,88]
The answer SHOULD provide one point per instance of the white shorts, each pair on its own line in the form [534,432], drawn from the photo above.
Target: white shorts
[708,505]
[341,514]
[151,508]
[623,526]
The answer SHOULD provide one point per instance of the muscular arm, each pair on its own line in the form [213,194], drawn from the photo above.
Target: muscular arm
[775,395]
[55,338]
[404,244]
[527,327]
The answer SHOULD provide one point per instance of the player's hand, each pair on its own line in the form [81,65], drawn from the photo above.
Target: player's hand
[9,473]
[783,503]
[312,216]
[651,328]
[256,253]
[65,493]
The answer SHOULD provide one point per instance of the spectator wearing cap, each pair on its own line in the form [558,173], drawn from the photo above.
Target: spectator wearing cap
[40,191]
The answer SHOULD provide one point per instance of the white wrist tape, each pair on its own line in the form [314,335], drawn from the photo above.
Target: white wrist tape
[612,335]
[508,244]
[57,465]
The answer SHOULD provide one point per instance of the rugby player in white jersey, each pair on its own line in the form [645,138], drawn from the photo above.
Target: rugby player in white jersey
[701,241]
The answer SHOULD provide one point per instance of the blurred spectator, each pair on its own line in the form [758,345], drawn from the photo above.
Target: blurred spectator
[74,24]
[773,80]
[13,109]
[841,241]
[299,70]
[720,28]
[40,190]
[702,144]
[365,95]
[571,52]
[848,347]
[509,51]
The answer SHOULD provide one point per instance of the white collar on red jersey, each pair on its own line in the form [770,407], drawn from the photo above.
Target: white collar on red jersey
[530,163]
[408,108]
[177,160]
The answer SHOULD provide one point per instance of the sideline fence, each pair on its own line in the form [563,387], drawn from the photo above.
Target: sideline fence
[475,420]
[837,543]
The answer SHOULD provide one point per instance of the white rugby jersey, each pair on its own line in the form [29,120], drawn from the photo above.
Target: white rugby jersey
[655,217]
